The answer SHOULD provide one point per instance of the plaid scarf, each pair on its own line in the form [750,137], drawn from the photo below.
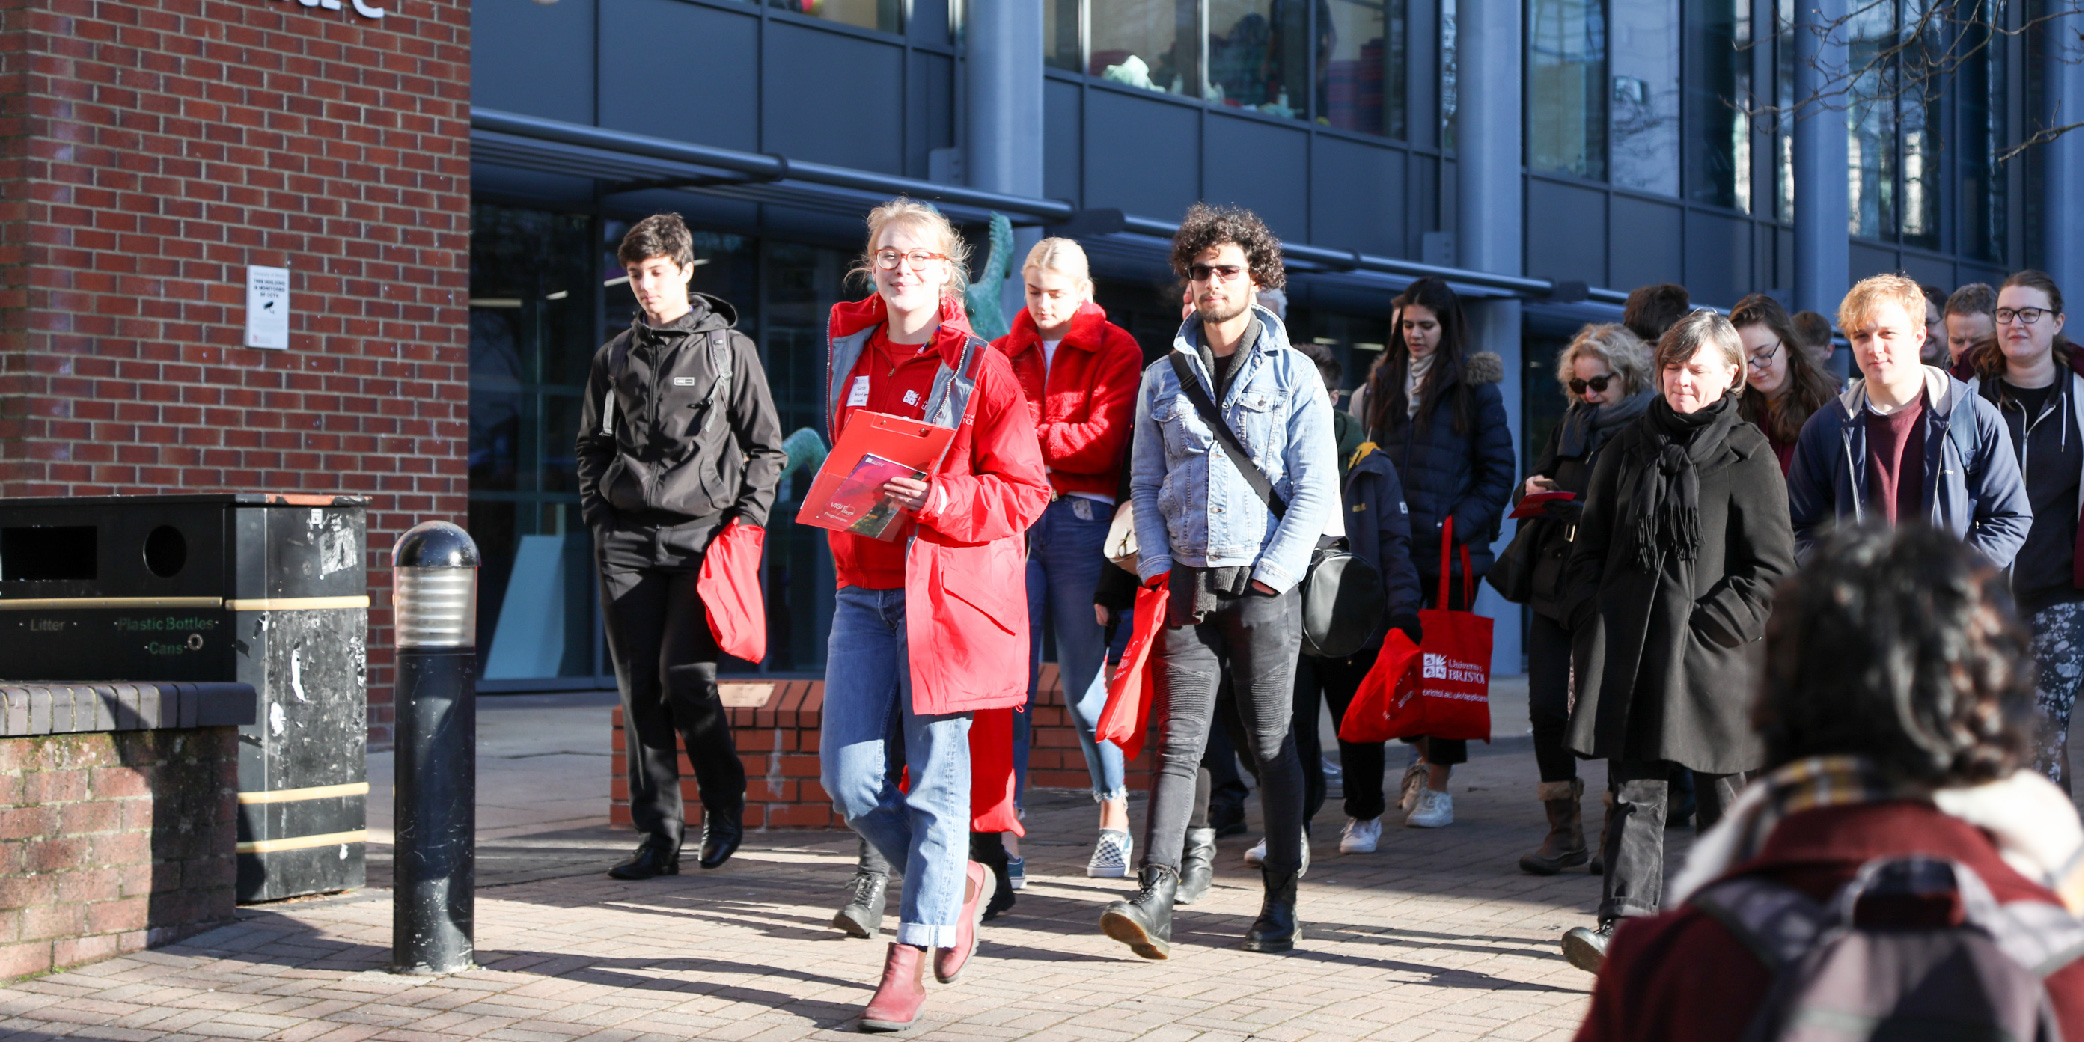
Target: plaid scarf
[1819,781]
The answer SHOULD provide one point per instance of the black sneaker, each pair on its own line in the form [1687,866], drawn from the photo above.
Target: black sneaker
[1586,949]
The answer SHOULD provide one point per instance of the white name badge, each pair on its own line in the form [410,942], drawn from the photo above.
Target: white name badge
[859,395]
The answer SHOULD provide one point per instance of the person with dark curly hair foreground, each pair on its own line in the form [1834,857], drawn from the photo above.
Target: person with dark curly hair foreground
[1896,708]
[1231,560]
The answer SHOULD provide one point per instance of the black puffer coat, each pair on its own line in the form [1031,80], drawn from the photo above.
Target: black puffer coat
[1466,475]
[1665,662]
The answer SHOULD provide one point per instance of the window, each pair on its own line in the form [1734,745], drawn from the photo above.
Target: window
[1870,120]
[885,15]
[1259,54]
[1784,103]
[1643,109]
[1142,43]
[1981,97]
[1061,35]
[1362,83]
[1718,81]
[1566,87]
[1448,29]
[1921,119]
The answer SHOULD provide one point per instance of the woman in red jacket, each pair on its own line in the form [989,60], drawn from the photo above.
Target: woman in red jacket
[951,576]
[1079,373]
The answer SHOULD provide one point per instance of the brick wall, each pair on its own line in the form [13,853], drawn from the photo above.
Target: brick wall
[113,841]
[148,153]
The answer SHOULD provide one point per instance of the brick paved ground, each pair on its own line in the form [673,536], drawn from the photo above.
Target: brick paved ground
[1437,937]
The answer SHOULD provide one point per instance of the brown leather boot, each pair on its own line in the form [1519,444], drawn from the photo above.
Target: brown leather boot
[903,990]
[1564,846]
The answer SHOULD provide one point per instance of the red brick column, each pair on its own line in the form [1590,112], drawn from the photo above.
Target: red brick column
[148,154]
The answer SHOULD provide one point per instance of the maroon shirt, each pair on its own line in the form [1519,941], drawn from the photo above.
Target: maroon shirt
[1681,975]
[1896,461]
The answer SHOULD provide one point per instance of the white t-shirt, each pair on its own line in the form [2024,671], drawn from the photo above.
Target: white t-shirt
[1048,356]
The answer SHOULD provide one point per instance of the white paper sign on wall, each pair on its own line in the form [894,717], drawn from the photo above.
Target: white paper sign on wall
[267,307]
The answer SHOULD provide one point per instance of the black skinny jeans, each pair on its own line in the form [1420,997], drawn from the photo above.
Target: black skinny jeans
[1361,766]
[1254,639]
[1634,854]
[1548,697]
[665,664]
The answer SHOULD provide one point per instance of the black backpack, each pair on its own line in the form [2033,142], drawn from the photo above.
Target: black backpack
[1835,979]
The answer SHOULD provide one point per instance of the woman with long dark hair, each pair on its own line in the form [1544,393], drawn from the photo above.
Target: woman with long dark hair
[1783,384]
[1435,410]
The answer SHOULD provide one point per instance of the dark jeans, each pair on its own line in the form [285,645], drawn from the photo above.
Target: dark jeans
[1254,639]
[665,664]
[1548,697]
[1220,801]
[1634,853]
[1362,766]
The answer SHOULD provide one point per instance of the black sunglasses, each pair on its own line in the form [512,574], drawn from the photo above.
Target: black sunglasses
[1597,383]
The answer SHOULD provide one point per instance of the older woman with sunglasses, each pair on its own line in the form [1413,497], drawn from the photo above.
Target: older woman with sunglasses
[1784,385]
[1605,373]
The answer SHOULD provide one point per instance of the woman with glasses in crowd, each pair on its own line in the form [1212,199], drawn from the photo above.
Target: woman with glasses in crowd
[1785,385]
[952,577]
[1605,373]
[1435,410]
[2033,379]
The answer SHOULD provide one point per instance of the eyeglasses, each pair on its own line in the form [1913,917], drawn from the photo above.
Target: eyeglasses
[1597,383]
[1207,272]
[2026,316]
[1766,356]
[917,259]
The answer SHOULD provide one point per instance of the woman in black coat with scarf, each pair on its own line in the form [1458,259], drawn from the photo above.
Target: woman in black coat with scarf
[1684,534]
[1436,412]
[1607,376]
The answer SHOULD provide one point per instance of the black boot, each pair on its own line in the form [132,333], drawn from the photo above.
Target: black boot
[722,828]
[1144,922]
[989,849]
[1197,866]
[867,896]
[1586,949]
[653,857]
[1276,929]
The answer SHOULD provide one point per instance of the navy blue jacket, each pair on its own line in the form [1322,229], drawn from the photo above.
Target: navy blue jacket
[1468,476]
[1972,483]
[1378,531]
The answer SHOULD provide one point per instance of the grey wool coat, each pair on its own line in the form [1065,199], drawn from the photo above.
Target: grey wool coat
[1666,663]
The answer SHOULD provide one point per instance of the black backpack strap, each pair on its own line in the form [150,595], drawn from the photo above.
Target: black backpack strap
[1190,385]
[1775,922]
[618,356]
[719,360]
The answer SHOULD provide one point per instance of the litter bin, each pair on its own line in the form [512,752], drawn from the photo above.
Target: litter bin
[266,590]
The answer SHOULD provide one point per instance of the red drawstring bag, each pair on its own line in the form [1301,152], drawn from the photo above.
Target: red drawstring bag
[1127,713]
[730,587]
[1386,695]
[991,772]
[1454,675]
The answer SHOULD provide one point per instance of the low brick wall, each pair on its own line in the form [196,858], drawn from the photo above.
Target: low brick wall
[777,723]
[112,841]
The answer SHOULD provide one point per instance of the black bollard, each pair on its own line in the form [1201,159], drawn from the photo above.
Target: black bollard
[434,598]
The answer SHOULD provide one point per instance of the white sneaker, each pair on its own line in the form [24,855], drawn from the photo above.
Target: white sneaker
[1110,858]
[1434,810]
[1359,837]
[1257,855]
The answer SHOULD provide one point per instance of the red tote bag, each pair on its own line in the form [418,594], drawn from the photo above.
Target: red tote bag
[1126,716]
[730,587]
[1454,676]
[1386,696]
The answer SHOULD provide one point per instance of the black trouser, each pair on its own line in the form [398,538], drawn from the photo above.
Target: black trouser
[1253,639]
[1634,854]
[1363,765]
[665,664]
[1548,698]
[1221,799]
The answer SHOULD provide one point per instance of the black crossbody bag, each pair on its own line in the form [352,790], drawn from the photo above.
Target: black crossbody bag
[1343,597]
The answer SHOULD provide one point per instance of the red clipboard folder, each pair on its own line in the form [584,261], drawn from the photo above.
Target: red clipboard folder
[847,494]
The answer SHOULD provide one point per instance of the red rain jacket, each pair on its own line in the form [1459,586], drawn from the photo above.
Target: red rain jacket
[966,612]
[1086,411]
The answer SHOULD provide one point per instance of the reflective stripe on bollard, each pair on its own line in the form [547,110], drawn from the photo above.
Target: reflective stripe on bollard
[434,600]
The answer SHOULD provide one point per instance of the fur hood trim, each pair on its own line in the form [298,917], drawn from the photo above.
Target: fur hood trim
[1484,367]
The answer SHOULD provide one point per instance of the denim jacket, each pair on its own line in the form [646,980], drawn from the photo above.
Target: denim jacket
[1192,506]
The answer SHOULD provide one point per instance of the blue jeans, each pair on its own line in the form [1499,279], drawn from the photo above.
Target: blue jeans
[1066,550]
[869,727]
